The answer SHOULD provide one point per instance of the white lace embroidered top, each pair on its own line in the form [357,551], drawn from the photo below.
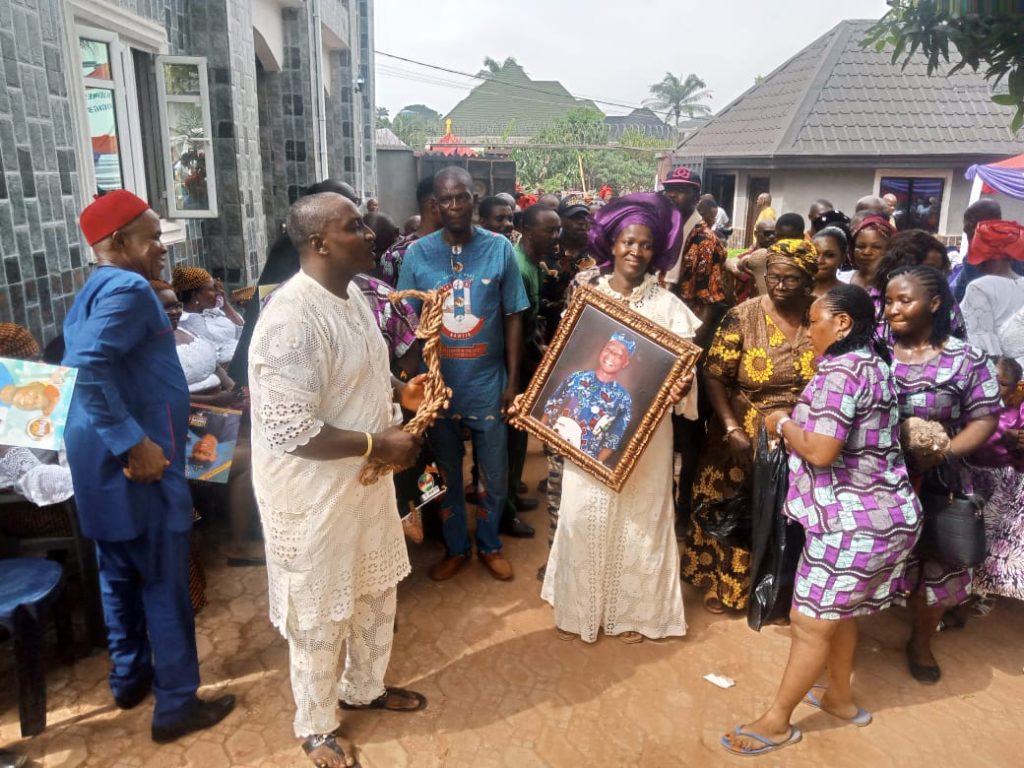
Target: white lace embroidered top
[42,477]
[662,307]
[217,328]
[989,302]
[319,359]
[198,360]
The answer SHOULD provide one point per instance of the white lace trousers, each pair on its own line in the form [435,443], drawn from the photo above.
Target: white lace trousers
[315,654]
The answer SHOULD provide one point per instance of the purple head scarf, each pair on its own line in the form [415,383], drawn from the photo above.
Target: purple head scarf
[653,211]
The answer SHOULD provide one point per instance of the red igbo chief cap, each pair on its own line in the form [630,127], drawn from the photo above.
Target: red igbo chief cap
[996,239]
[107,214]
[684,176]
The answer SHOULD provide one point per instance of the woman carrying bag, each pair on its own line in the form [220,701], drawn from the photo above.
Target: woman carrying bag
[953,386]
[850,491]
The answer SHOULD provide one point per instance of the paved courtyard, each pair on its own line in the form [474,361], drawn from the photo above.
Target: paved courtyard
[505,691]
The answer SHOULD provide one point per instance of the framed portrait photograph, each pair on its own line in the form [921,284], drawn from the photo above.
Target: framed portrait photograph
[603,385]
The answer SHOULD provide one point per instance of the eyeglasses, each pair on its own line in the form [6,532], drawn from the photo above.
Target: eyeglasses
[789,281]
[449,201]
[176,305]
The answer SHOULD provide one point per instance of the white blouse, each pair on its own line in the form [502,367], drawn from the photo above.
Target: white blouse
[198,360]
[217,328]
[989,302]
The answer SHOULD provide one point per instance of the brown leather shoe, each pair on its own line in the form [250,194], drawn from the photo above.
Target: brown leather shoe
[499,567]
[448,567]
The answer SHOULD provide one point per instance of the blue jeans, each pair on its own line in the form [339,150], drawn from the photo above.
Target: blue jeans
[489,441]
[150,624]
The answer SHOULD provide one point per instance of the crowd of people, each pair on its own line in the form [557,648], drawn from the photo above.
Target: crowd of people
[890,371]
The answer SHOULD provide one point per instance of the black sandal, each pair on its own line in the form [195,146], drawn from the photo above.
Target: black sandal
[381,702]
[326,740]
[922,672]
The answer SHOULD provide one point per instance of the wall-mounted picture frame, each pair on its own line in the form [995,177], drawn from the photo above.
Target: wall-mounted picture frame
[603,385]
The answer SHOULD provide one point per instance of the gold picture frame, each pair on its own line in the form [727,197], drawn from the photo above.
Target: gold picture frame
[661,358]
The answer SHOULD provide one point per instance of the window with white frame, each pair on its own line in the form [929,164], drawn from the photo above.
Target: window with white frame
[184,101]
[165,153]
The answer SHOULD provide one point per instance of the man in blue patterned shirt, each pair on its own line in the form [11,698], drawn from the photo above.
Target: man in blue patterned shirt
[591,409]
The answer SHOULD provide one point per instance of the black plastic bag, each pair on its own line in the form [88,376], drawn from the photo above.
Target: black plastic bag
[727,520]
[777,542]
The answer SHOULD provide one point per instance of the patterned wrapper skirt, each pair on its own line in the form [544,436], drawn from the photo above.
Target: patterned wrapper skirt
[851,573]
[1003,570]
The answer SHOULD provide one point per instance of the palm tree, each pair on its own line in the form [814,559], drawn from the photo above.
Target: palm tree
[383,118]
[492,67]
[680,96]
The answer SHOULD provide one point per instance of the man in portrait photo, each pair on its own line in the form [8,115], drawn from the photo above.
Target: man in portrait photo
[591,409]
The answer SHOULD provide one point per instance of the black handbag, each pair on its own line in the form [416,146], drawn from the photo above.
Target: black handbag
[954,530]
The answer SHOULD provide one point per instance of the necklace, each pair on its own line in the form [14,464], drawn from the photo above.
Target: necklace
[456,262]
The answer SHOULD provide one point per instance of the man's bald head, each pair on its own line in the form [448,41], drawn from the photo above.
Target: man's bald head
[872,204]
[452,173]
[310,215]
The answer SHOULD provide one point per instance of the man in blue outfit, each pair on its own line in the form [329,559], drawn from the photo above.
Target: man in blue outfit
[125,440]
[591,409]
[480,355]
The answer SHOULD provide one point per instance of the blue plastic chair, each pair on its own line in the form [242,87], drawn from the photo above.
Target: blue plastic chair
[29,586]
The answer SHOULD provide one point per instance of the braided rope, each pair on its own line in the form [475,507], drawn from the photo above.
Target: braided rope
[435,392]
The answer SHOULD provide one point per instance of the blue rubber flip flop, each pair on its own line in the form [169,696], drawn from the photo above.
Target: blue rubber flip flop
[861,719]
[769,746]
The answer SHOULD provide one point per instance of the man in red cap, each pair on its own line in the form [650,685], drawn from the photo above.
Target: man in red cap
[125,440]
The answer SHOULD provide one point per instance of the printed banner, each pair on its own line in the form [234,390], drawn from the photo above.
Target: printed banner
[34,402]
[212,433]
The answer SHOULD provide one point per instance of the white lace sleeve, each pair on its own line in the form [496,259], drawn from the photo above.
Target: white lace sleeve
[980,320]
[289,371]
[42,484]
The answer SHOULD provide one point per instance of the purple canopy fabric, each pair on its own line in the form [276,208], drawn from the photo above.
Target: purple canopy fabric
[1006,176]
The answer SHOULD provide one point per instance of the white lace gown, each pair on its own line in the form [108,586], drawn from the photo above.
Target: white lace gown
[217,328]
[318,359]
[614,565]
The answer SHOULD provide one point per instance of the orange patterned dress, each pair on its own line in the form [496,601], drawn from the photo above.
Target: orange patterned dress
[763,372]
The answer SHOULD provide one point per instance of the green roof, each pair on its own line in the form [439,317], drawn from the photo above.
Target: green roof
[511,102]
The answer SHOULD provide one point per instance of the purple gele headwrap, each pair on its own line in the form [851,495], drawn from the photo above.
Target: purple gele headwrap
[653,211]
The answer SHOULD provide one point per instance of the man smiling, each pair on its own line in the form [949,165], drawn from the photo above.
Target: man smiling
[591,409]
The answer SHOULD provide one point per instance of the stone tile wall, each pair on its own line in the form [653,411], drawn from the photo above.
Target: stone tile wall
[262,124]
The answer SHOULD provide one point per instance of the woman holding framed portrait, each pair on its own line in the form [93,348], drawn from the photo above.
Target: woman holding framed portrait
[760,361]
[614,564]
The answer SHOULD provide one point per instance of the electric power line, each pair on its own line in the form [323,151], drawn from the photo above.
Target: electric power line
[508,83]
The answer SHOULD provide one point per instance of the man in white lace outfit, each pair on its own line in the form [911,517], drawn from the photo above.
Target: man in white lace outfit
[321,407]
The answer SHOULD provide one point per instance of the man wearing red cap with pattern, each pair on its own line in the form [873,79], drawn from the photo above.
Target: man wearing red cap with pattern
[125,440]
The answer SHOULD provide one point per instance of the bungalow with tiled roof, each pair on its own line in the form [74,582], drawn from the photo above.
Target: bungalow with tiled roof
[840,121]
[511,107]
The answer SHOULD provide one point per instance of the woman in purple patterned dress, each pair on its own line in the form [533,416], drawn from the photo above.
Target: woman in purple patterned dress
[997,470]
[849,489]
[940,379]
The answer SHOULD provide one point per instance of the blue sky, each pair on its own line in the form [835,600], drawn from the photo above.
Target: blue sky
[596,48]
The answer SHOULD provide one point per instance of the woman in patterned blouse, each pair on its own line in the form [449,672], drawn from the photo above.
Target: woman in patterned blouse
[940,379]
[849,490]
[760,361]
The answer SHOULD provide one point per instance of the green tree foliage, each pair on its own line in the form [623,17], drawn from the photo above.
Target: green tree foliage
[992,42]
[680,96]
[552,160]
[383,118]
[493,67]
[416,124]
